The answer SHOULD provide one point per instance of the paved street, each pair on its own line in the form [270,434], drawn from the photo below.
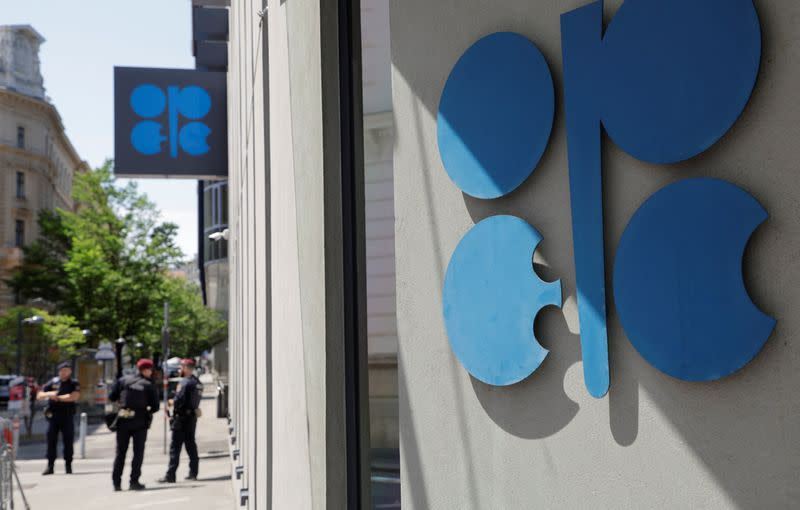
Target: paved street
[90,486]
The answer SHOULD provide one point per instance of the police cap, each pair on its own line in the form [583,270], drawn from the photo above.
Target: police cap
[144,363]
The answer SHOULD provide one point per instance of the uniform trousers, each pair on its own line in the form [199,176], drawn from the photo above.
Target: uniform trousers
[183,434]
[125,433]
[63,423]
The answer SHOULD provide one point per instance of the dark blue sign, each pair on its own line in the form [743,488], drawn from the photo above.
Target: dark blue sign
[170,122]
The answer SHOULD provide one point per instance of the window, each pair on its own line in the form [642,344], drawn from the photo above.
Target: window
[215,215]
[371,123]
[20,137]
[207,221]
[20,185]
[224,207]
[19,233]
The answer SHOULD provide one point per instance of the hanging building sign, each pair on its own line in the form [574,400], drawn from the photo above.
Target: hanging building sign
[170,123]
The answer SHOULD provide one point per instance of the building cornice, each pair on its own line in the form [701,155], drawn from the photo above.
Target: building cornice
[50,112]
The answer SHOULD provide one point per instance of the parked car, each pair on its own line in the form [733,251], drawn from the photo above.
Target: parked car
[12,387]
[5,381]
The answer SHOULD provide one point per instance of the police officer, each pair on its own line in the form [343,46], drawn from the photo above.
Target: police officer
[62,393]
[185,411]
[138,400]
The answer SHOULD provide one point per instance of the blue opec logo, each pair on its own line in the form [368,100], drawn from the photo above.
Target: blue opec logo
[149,101]
[666,80]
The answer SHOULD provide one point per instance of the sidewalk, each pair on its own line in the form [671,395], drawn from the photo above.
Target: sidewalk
[90,488]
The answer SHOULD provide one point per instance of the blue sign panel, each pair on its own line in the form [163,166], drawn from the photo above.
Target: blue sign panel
[666,80]
[170,122]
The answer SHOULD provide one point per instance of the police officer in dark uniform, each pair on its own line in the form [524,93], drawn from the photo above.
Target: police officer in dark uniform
[186,409]
[62,393]
[138,400]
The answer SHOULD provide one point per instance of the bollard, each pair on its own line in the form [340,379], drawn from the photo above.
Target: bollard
[15,435]
[84,426]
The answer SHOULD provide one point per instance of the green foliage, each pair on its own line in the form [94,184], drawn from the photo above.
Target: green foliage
[193,326]
[44,345]
[106,264]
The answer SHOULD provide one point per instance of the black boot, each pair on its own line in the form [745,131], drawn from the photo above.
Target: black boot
[48,471]
[117,487]
[166,479]
[136,486]
[191,477]
[69,468]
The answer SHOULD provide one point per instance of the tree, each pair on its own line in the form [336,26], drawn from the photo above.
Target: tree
[106,264]
[194,328]
[57,338]
[118,255]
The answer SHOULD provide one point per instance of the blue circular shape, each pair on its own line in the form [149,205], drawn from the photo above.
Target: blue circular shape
[193,138]
[490,299]
[193,102]
[148,101]
[146,137]
[495,115]
[678,282]
[677,74]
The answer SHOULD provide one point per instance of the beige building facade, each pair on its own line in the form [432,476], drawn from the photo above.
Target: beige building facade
[37,160]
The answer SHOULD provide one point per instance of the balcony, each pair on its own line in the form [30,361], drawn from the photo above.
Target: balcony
[7,142]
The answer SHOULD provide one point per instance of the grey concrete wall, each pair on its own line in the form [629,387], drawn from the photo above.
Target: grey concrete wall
[653,442]
[286,332]
[249,257]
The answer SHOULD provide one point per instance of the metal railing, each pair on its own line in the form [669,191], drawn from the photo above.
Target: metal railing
[8,471]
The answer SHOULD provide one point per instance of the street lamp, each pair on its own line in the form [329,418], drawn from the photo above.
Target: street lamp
[136,350]
[31,321]
[120,342]
[86,334]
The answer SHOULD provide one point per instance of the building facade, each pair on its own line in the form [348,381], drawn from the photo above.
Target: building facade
[37,160]
[344,220]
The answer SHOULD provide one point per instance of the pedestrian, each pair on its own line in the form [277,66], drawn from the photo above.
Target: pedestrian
[138,400]
[33,390]
[62,393]
[185,411]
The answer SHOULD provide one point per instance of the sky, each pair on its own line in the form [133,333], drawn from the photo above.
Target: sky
[85,39]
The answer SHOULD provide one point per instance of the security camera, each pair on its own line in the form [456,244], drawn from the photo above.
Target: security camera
[218,236]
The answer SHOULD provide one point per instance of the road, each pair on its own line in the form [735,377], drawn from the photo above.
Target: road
[90,487]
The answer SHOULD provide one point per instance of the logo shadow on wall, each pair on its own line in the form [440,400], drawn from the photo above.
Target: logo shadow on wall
[677,276]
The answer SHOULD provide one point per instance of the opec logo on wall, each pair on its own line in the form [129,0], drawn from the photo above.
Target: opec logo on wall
[666,80]
[170,122]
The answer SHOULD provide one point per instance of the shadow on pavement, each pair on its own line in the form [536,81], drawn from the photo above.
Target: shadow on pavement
[215,478]
[214,456]
[149,488]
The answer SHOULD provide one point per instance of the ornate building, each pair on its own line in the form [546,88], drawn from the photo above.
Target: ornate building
[37,160]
